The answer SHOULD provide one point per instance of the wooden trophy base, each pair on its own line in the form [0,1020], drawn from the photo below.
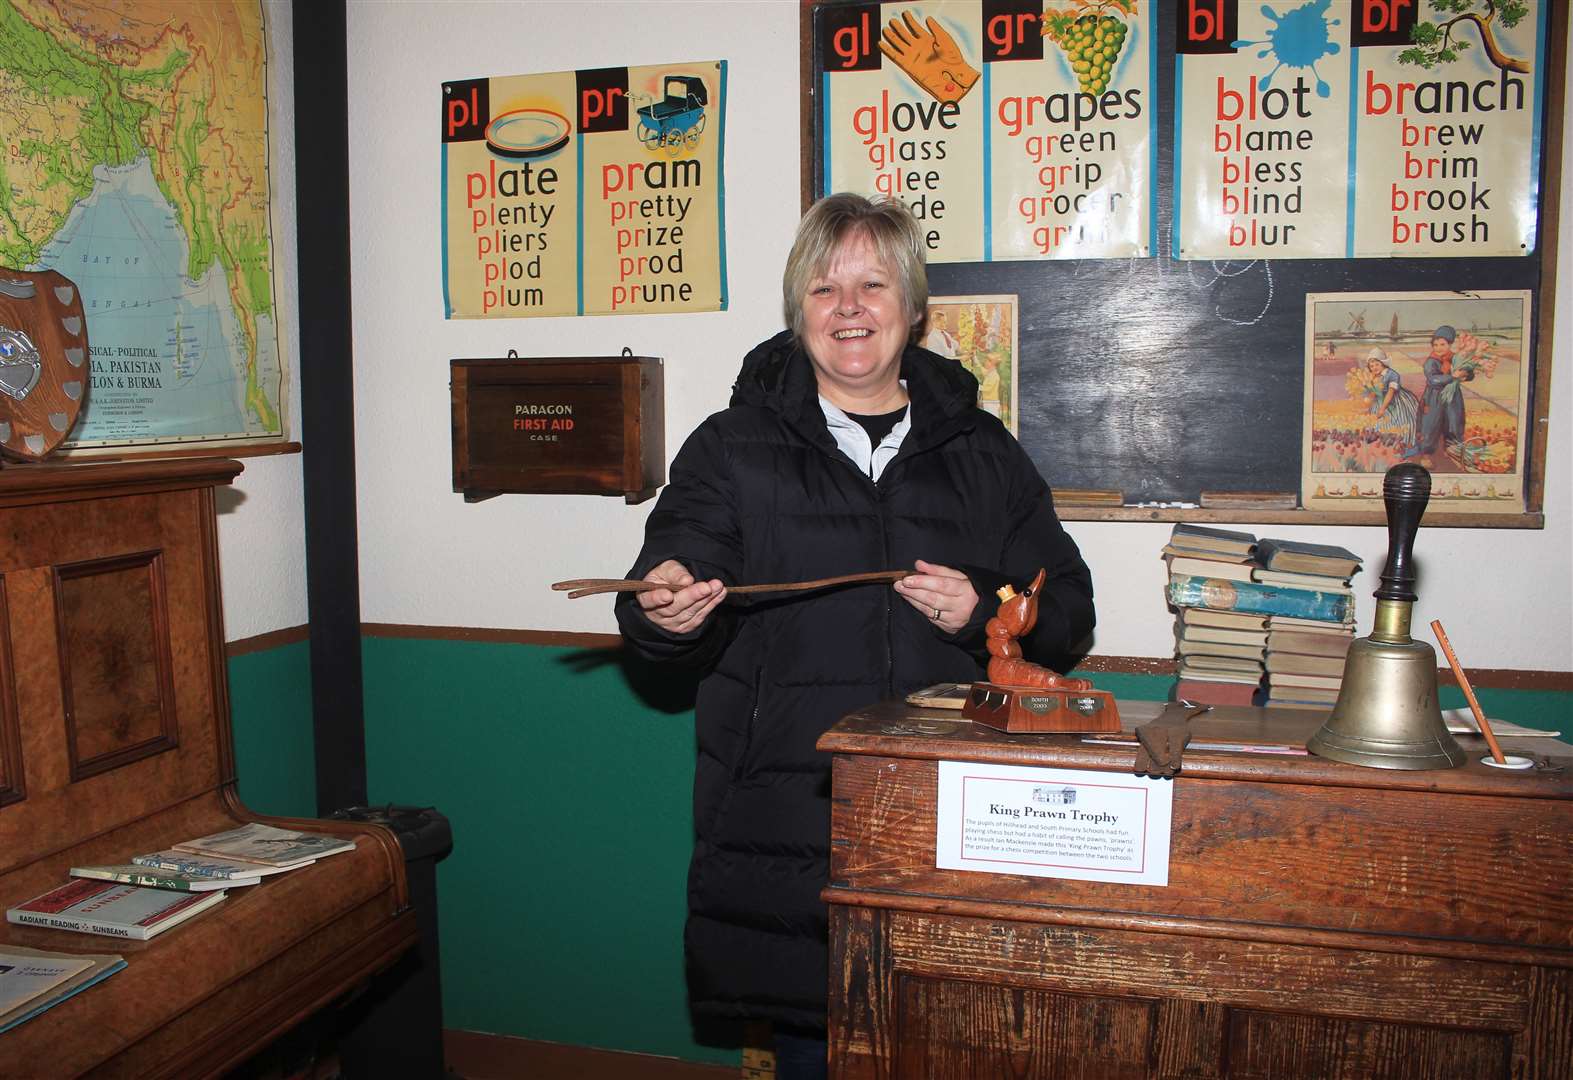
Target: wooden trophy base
[1027,709]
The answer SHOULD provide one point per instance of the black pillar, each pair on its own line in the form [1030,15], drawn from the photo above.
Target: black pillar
[327,392]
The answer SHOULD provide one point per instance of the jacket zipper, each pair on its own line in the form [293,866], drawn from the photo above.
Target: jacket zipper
[884,547]
[753,721]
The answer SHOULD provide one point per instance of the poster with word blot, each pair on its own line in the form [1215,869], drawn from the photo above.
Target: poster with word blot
[1356,128]
[1013,130]
[595,192]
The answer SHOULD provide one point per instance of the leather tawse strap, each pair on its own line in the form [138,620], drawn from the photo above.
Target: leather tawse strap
[593,586]
[1161,742]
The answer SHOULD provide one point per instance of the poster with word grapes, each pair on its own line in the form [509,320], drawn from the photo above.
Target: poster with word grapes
[593,192]
[1013,130]
[1331,129]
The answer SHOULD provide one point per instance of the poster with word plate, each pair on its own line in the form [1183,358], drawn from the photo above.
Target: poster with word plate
[1013,130]
[595,192]
[1334,129]
[1060,823]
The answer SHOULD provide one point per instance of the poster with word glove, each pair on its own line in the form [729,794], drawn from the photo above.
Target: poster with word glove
[594,192]
[1012,131]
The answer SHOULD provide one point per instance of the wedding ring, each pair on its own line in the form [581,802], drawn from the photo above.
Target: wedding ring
[935,616]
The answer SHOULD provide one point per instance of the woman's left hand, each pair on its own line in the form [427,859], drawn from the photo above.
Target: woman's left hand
[944,596]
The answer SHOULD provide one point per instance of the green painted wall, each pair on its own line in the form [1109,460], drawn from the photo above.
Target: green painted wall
[270,714]
[566,778]
[561,907]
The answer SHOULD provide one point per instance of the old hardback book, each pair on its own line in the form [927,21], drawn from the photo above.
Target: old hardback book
[155,878]
[1188,632]
[1204,540]
[1234,665]
[1210,692]
[32,980]
[1320,582]
[1248,651]
[266,844]
[1314,644]
[1299,557]
[106,907]
[1211,568]
[1232,620]
[1317,682]
[1279,694]
[1311,626]
[1300,664]
[1295,703]
[1263,599]
[1185,671]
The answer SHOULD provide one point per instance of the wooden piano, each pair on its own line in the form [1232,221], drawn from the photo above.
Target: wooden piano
[115,740]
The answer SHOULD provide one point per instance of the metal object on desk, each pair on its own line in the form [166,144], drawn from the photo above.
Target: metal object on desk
[1387,714]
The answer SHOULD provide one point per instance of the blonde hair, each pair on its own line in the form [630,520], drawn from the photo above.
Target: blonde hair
[891,229]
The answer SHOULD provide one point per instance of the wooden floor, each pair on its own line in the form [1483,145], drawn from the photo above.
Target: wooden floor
[473,1055]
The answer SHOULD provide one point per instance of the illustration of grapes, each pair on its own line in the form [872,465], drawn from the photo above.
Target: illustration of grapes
[1091,34]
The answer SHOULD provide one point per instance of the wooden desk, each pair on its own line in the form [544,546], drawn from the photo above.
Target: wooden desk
[1321,920]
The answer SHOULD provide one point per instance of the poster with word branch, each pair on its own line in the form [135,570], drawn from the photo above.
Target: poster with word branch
[1446,110]
[594,192]
[1013,130]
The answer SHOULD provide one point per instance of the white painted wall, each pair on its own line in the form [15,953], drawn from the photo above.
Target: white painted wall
[261,527]
[428,558]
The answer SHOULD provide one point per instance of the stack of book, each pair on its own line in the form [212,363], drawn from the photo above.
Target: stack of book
[1233,592]
[1220,651]
[1305,657]
[151,893]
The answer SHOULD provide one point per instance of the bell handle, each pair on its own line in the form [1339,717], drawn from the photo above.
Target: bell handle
[1405,490]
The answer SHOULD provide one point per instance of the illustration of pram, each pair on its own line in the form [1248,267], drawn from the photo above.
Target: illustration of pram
[679,119]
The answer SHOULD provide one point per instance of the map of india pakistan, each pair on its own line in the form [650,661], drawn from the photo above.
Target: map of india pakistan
[135,162]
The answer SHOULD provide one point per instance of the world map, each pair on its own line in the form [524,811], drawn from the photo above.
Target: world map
[135,162]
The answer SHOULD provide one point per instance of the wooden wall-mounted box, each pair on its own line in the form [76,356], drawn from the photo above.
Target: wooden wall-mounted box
[585,425]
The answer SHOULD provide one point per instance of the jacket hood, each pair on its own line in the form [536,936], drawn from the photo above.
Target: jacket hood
[777,375]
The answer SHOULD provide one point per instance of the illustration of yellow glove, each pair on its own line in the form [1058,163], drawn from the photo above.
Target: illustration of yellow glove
[929,57]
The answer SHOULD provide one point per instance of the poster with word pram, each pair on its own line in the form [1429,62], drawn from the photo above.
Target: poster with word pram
[595,192]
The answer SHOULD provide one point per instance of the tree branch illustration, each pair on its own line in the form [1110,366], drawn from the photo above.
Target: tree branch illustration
[1438,44]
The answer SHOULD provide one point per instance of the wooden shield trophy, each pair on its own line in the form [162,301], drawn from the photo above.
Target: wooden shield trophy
[1023,696]
[43,361]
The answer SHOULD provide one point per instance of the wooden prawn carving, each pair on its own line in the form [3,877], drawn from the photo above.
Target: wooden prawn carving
[1018,614]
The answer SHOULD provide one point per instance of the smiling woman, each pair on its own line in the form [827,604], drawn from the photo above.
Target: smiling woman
[847,449]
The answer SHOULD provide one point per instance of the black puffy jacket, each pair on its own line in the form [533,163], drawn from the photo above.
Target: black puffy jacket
[761,493]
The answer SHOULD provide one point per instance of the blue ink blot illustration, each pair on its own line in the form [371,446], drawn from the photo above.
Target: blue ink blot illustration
[1298,39]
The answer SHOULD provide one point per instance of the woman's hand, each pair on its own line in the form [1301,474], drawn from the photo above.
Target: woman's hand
[944,596]
[683,605]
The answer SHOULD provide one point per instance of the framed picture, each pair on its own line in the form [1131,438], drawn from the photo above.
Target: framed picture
[979,332]
[1438,378]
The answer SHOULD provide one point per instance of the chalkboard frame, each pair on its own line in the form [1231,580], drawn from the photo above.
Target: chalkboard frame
[1006,277]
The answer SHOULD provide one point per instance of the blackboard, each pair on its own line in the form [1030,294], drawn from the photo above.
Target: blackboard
[1165,378]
